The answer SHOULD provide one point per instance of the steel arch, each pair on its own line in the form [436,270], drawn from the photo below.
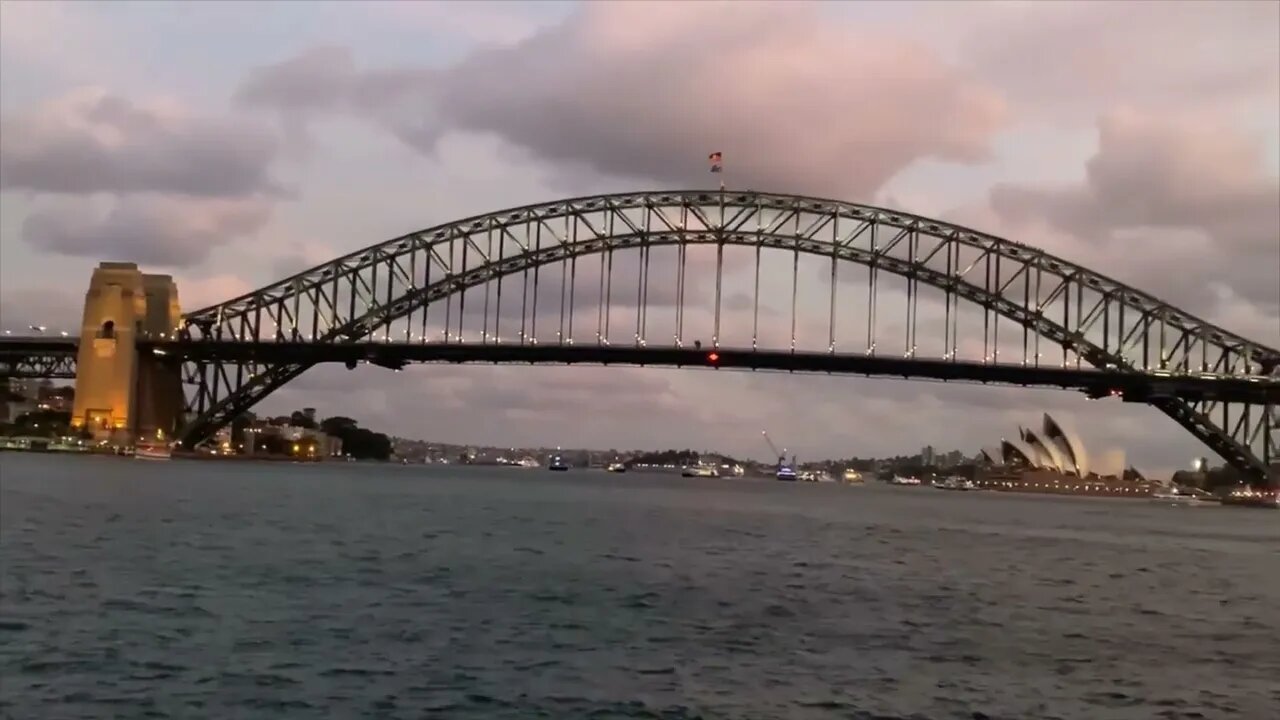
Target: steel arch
[1103,322]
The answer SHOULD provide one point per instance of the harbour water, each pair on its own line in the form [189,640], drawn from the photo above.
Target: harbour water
[239,590]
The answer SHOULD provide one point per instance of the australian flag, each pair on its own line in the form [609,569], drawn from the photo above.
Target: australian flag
[716,162]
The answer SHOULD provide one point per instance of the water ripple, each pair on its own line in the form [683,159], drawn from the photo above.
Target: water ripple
[205,590]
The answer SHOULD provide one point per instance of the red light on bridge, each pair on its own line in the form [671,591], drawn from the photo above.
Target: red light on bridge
[713,358]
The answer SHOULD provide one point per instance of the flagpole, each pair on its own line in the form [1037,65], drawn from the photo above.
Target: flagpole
[719,258]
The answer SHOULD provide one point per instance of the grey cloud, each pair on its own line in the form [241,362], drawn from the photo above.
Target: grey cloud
[1064,59]
[289,264]
[814,416]
[320,78]
[600,91]
[325,79]
[56,309]
[91,141]
[155,230]
[1163,198]
[499,405]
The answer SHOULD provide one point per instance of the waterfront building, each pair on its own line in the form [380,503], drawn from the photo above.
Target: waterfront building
[1053,459]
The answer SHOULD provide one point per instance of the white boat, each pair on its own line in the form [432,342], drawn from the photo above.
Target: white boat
[153,452]
[955,483]
[617,467]
[528,463]
[853,477]
[899,480]
[1176,496]
[700,470]
[786,473]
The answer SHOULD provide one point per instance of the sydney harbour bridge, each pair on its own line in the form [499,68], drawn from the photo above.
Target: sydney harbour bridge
[711,279]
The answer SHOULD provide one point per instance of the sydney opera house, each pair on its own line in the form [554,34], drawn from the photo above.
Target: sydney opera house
[1053,459]
[1050,449]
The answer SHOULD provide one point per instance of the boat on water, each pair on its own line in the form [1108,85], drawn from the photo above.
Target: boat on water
[152,452]
[700,470]
[815,476]
[1251,498]
[617,467]
[1178,496]
[955,483]
[528,463]
[900,480]
[558,464]
[852,477]
[786,473]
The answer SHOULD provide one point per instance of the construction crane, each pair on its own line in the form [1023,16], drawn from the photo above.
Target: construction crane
[782,456]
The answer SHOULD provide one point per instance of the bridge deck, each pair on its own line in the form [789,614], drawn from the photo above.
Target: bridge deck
[1132,385]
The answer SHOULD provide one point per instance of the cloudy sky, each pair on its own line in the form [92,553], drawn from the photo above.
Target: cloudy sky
[231,144]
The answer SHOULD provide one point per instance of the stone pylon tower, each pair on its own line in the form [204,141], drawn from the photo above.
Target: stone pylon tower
[124,395]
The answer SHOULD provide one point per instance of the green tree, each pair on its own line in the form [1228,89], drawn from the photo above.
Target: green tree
[337,425]
[42,423]
[357,442]
[239,424]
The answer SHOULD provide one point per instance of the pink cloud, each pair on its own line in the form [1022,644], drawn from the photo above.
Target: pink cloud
[1059,60]
[1164,197]
[647,90]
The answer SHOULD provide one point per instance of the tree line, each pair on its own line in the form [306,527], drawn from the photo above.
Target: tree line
[357,442]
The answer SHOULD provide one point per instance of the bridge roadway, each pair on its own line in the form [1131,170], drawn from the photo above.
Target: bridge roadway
[1132,386]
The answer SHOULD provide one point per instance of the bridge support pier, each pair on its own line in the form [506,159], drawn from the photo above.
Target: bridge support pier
[124,396]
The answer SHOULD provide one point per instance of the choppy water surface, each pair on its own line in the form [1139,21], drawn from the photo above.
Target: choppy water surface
[204,590]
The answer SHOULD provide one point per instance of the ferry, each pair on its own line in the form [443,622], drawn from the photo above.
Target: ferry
[955,483]
[786,473]
[700,470]
[617,467]
[152,452]
[1249,497]
[1177,496]
[558,464]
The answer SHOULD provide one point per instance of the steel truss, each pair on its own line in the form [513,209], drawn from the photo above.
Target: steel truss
[51,365]
[386,292]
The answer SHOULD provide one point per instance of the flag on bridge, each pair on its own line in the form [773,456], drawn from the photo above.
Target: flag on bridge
[716,164]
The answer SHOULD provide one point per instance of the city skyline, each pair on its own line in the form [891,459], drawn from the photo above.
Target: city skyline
[436,112]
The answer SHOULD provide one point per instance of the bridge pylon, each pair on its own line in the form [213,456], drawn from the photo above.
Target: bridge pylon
[122,395]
